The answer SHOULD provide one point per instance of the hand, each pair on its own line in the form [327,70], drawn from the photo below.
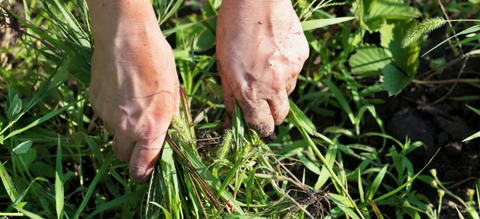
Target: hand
[261,50]
[134,90]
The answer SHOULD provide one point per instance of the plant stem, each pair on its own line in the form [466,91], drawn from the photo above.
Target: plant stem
[463,20]
[449,81]
[324,162]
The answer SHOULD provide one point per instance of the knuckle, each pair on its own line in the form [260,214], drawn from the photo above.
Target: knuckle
[248,95]
[154,126]
[121,124]
[277,82]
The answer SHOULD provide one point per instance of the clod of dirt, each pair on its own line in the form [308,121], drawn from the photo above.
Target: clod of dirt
[405,123]
[456,127]
[436,110]
[442,139]
[469,160]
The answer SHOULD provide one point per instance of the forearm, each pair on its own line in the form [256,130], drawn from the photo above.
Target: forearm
[114,19]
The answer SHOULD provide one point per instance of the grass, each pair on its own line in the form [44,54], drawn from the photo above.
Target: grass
[56,159]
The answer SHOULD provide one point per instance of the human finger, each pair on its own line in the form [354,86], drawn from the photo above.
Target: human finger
[228,100]
[279,107]
[291,84]
[143,158]
[258,116]
[122,147]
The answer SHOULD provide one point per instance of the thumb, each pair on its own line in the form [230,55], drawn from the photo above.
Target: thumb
[144,157]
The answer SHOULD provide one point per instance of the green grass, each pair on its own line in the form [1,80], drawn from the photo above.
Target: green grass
[56,159]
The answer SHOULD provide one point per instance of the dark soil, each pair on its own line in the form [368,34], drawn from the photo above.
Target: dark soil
[443,125]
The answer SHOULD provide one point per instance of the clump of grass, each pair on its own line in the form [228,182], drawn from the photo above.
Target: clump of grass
[427,26]
[240,177]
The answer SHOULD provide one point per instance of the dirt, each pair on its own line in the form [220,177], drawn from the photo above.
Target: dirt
[443,125]
[433,114]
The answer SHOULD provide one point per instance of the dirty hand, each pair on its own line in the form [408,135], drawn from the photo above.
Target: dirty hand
[134,84]
[261,49]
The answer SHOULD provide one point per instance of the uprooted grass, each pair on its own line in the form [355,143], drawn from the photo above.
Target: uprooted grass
[241,176]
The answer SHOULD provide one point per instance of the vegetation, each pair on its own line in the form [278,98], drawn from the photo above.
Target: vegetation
[333,156]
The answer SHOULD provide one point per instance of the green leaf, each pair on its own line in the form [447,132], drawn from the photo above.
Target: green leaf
[118,201]
[380,10]
[360,187]
[15,108]
[233,216]
[386,35]
[27,158]
[93,185]
[59,192]
[23,147]
[165,211]
[474,52]
[341,200]
[42,169]
[474,110]
[330,158]
[368,59]
[28,213]
[464,32]
[41,120]
[385,196]
[318,23]
[376,210]
[308,163]
[302,119]
[399,73]
[476,135]
[376,183]
[394,79]
[204,38]
[250,186]
[341,99]
[171,11]
[7,183]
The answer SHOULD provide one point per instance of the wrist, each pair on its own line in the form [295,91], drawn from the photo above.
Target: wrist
[119,19]
[256,5]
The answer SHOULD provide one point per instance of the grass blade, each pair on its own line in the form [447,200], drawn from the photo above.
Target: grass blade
[318,23]
[165,211]
[40,120]
[403,185]
[376,183]
[302,119]
[91,188]
[341,99]
[7,183]
[466,31]
[376,210]
[324,175]
[29,214]
[59,193]
[360,187]
[118,201]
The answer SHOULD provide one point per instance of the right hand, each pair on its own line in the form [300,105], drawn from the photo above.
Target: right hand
[134,90]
